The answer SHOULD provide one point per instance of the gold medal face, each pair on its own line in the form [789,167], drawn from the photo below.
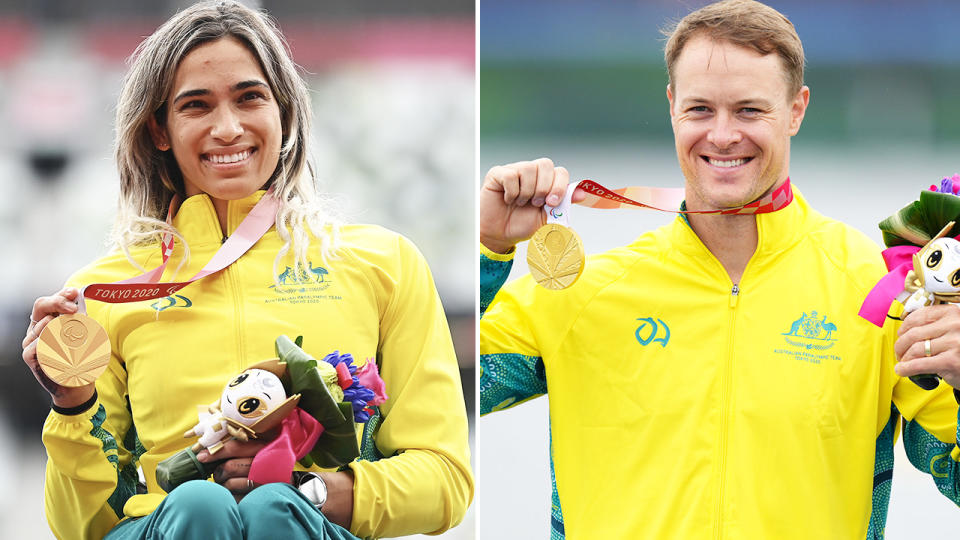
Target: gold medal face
[73,350]
[555,256]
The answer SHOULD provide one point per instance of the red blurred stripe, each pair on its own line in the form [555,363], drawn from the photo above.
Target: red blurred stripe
[322,43]
[16,37]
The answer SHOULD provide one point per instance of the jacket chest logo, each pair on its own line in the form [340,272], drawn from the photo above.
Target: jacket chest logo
[307,275]
[308,286]
[176,300]
[811,332]
[652,331]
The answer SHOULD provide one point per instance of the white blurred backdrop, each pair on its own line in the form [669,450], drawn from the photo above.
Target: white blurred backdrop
[392,87]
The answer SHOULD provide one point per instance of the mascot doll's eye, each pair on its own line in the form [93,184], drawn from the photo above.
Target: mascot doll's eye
[248,406]
[238,379]
[933,260]
[955,279]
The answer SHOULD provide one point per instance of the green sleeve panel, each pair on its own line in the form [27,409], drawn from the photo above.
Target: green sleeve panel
[883,477]
[92,463]
[935,457]
[493,274]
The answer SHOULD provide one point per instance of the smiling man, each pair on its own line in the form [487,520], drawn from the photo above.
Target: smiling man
[713,379]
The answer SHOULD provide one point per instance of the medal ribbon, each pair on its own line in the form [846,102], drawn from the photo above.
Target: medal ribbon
[662,199]
[146,286]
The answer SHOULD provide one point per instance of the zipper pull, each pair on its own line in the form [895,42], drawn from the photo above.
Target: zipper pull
[734,295]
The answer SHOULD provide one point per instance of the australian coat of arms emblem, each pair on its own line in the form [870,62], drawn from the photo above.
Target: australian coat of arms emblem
[811,332]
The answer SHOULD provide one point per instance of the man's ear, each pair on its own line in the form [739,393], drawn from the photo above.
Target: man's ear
[798,108]
[158,133]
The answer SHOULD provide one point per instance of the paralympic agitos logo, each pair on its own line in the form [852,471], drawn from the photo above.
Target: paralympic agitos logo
[174,300]
[652,331]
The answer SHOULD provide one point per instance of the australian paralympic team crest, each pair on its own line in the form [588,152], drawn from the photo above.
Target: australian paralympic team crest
[309,287]
[809,337]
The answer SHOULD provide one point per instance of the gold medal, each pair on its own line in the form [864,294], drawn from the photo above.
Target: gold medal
[73,350]
[555,256]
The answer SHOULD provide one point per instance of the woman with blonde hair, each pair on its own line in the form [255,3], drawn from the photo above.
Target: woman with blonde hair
[213,123]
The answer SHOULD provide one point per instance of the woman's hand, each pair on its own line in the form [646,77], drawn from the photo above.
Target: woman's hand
[237,457]
[45,309]
[233,473]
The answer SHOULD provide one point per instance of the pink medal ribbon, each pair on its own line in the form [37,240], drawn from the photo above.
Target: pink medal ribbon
[146,285]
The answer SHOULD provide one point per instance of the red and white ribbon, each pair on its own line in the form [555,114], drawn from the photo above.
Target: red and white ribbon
[662,199]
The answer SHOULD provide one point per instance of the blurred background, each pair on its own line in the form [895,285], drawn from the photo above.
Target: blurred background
[584,82]
[393,95]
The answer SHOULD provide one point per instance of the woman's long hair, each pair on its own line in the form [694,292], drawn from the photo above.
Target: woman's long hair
[149,178]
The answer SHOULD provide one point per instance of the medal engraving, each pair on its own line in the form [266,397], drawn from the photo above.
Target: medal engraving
[73,350]
[555,256]
[73,334]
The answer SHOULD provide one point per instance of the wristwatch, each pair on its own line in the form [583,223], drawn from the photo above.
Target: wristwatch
[313,488]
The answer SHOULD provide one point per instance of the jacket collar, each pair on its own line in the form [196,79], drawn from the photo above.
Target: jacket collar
[776,231]
[196,219]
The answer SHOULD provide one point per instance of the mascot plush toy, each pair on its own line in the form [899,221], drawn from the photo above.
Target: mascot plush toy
[251,404]
[310,409]
[922,257]
[935,277]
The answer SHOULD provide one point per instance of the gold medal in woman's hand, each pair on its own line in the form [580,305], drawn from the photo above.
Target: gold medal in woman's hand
[73,350]
[555,256]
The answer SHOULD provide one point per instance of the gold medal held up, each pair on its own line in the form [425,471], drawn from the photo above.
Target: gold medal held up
[555,256]
[73,350]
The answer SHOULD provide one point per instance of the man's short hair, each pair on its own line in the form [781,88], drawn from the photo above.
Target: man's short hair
[746,23]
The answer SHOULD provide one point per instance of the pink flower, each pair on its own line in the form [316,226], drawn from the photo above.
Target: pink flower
[369,376]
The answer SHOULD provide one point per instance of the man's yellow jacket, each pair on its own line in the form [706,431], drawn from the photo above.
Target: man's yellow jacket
[684,406]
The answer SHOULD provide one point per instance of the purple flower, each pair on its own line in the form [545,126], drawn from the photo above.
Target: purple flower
[948,185]
[358,395]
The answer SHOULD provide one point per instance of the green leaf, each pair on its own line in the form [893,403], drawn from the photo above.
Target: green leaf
[920,221]
[338,443]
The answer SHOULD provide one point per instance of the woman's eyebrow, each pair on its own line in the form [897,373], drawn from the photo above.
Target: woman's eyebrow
[242,85]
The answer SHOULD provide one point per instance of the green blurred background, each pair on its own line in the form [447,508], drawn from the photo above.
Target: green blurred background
[584,84]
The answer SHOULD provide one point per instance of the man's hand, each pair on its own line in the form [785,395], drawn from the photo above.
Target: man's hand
[941,325]
[232,473]
[512,198]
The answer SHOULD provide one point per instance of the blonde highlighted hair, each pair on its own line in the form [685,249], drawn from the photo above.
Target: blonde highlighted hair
[150,178]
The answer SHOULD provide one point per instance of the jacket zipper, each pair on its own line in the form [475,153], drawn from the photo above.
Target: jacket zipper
[233,289]
[726,383]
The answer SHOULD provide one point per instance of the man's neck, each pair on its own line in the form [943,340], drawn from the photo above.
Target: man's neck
[731,239]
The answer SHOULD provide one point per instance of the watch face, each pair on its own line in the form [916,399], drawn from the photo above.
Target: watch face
[314,488]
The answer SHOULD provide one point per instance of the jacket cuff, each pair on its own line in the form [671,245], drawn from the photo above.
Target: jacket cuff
[79,409]
[499,257]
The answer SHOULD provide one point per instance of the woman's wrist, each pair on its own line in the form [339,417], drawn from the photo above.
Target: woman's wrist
[338,507]
[67,399]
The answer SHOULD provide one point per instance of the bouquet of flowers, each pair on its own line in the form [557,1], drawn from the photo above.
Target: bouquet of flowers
[922,258]
[315,404]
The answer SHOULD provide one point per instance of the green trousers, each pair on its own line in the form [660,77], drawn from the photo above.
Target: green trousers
[204,510]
